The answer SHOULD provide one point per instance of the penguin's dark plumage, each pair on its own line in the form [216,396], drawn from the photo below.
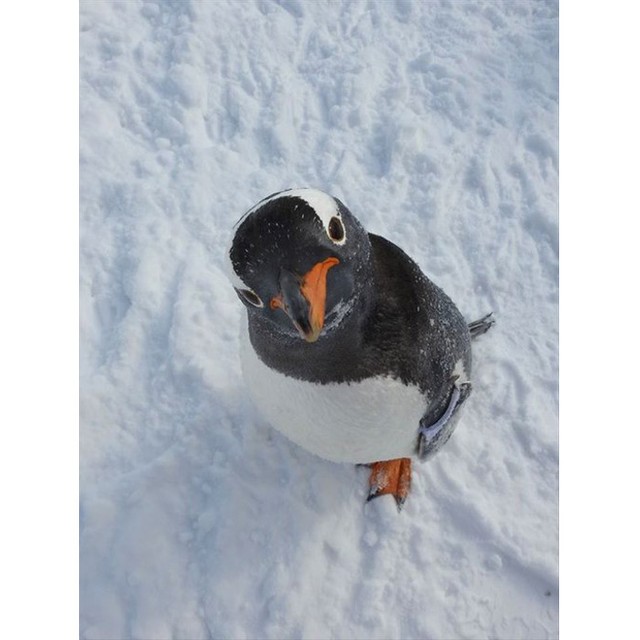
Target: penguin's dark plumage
[351,351]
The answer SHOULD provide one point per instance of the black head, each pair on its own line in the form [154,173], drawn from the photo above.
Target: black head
[299,260]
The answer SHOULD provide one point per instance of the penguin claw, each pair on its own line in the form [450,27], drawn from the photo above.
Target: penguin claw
[390,477]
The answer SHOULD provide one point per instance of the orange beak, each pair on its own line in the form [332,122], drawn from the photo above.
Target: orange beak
[314,289]
[304,299]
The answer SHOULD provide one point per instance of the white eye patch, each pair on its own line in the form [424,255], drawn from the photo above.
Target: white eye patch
[251,297]
[336,231]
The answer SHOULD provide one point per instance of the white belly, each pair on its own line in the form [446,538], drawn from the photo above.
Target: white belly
[359,422]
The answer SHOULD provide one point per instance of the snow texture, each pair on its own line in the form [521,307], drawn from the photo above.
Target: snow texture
[436,124]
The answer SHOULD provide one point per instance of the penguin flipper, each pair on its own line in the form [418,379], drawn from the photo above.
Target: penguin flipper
[390,476]
[478,327]
[433,435]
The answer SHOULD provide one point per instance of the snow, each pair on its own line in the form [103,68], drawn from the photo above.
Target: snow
[436,124]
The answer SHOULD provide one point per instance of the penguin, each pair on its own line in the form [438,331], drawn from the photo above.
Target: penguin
[349,350]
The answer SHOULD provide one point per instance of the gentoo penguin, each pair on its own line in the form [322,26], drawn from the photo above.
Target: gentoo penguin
[349,350]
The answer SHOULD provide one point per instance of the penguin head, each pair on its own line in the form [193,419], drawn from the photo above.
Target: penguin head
[298,261]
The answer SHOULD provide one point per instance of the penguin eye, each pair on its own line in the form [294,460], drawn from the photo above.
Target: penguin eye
[335,230]
[250,297]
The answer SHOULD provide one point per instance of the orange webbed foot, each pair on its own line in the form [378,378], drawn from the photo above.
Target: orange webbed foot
[390,476]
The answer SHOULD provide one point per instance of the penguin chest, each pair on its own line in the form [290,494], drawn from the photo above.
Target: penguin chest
[357,422]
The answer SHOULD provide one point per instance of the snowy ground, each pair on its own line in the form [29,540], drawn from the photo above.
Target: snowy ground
[436,123]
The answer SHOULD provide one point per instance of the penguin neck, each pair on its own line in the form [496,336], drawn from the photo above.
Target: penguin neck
[335,357]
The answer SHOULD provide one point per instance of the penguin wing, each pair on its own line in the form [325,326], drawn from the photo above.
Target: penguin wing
[432,435]
[436,348]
